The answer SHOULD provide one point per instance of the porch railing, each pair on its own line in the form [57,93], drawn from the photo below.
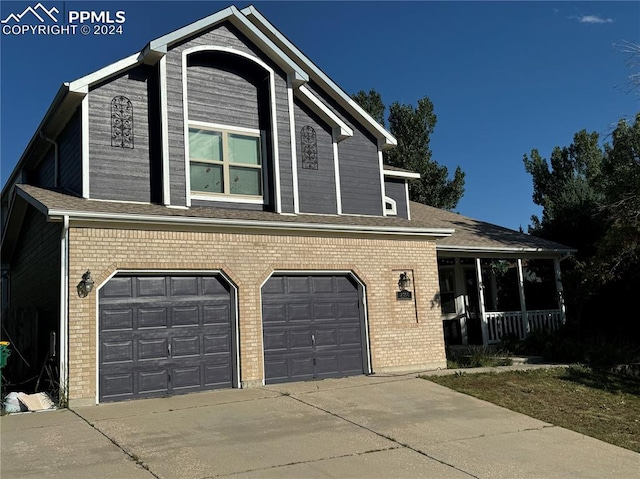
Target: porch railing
[502,323]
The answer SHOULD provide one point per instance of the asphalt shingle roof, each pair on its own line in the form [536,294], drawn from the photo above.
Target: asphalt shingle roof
[469,233]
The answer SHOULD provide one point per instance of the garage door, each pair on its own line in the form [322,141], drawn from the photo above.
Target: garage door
[312,328]
[163,335]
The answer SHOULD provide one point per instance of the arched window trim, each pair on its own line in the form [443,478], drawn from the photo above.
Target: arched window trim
[274,122]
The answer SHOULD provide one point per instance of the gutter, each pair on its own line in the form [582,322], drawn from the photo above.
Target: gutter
[248,224]
[488,249]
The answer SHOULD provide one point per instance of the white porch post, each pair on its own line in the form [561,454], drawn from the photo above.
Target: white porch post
[460,306]
[483,316]
[523,304]
[559,289]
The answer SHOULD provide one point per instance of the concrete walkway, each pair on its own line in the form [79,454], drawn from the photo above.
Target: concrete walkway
[376,426]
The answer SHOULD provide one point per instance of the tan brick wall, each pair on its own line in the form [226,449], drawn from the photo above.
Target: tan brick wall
[401,336]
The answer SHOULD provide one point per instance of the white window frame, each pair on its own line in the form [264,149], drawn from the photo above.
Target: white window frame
[393,209]
[226,195]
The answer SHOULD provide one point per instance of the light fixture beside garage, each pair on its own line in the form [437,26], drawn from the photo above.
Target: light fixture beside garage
[403,283]
[86,285]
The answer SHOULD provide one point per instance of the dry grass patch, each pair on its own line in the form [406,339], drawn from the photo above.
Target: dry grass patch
[595,403]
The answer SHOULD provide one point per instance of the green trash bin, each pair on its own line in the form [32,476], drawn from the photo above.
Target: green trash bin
[4,353]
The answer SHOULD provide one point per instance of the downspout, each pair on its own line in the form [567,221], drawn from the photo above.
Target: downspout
[64,311]
[56,159]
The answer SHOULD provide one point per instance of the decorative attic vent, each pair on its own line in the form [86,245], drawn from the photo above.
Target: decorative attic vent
[121,122]
[309,148]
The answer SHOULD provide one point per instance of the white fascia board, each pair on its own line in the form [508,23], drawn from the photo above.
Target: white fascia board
[401,174]
[386,140]
[160,45]
[55,214]
[81,85]
[341,129]
[502,250]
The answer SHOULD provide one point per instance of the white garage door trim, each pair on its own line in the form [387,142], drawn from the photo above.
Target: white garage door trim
[363,297]
[177,272]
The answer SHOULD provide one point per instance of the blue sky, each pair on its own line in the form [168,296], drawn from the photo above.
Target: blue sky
[504,77]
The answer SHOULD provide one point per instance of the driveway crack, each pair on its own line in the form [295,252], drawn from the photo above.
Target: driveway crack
[407,446]
[131,456]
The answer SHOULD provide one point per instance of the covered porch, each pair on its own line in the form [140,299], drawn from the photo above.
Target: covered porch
[494,282]
[485,297]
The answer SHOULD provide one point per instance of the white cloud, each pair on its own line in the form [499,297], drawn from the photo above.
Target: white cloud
[593,19]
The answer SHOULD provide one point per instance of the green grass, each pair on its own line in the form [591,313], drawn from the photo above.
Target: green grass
[477,357]
[595,403]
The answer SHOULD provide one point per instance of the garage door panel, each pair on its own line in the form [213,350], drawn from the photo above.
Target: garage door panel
[324,311]
[153,381]
[348,310]
[217,375]
[150,349]
[309,323]
[298,284]
[164,334]
[326,337]
[148,287]
[217,343]
[184,286]
[299,312]
[300,339]
[118,287]
[214,286]
[185,346]
[116,351]
[185,316]
[215,314]
[323,284]
[273,313]
[275,340]
[118,319]
[117,385]
[188,377]
[152,318]
[301,368]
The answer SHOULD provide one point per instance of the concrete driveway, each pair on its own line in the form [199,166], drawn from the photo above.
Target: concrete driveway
[400,427]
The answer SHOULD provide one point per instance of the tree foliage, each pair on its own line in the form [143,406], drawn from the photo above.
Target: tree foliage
[413,126]
[590,195]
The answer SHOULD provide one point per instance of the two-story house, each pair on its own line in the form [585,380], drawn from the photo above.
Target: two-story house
[214,212]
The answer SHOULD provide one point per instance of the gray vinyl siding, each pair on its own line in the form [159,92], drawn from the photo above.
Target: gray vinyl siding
[34,283]
[316,188]
[395,189]
[218,96]
[359,167]
[44,173]
[224,35]
[70,155]
[118,173]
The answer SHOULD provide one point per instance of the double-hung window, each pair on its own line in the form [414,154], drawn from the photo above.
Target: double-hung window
[225,162]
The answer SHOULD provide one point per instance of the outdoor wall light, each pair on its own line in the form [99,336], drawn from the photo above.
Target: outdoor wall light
[403,284]
[404,281]
[86,285]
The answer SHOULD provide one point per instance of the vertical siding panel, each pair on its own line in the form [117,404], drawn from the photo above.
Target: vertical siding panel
[118,173]
[317,187]
[70,151]
[395,190]
[359,170]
